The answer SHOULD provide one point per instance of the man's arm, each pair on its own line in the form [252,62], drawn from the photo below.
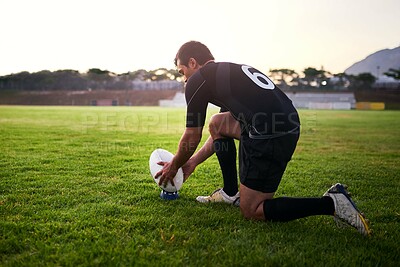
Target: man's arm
[206,151]
[222,125]
[187,146]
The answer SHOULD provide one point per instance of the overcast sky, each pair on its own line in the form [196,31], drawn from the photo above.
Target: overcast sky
[126,35]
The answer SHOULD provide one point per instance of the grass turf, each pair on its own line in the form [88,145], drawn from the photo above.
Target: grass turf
[75,190]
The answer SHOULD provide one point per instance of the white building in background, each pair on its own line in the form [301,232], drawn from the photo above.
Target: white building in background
[386,82]
[157,85]
[300,100]
[322,100]
[178,101]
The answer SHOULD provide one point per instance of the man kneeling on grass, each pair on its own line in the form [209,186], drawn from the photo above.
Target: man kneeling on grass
[256,112]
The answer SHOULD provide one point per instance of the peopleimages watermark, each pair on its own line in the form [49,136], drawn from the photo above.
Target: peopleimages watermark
[166,123]
[261,123]
[122,146]
[142,122]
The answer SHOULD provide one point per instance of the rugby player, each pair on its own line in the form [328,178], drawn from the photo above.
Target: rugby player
[258,114]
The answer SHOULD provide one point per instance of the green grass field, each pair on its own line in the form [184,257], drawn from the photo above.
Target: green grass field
[75,190]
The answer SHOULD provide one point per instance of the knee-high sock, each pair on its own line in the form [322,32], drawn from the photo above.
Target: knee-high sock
[285,209]
[225,149]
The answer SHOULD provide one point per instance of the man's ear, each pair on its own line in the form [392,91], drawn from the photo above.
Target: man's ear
[192,63]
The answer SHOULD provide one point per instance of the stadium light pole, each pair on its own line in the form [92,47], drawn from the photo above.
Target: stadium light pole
[377,70]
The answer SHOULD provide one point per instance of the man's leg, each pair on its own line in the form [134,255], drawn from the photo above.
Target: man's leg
[252,202]
[223,130]
[258,205]
[262,206]
[263,163]
[225,150]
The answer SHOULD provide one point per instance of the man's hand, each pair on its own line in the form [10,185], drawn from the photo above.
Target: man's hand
[168,173]
[187,145]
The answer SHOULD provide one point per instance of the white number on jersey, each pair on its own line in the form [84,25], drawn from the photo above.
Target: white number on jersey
[259,78]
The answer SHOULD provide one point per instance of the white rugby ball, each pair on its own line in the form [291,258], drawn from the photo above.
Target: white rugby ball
[164,155]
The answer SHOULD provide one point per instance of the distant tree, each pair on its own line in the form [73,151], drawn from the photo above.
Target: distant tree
[173,74]
[366,78]
[20,80]
[69,80]
[161,74]
[43,80]
[100,79]
[134,75]
[314,77]
[362,81]
[341,81]
[283,77]
[124,80]
[96,71]
[393,73]
[157,75]
[138,74]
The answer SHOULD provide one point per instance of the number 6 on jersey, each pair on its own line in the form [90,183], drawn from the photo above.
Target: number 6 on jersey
[259,78]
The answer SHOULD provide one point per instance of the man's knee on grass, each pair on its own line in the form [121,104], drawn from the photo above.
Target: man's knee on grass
[252,211]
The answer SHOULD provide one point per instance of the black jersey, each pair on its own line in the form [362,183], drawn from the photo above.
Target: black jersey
[249,95]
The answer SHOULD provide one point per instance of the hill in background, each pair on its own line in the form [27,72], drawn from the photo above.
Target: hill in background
[377,63]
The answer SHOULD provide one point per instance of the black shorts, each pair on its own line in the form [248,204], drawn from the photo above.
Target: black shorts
[263,161]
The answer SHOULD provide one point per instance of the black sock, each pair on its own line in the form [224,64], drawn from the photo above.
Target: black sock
[285,209]
[225,149]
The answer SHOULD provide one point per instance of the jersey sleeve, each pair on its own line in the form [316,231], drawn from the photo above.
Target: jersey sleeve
[196,100]
[223,109]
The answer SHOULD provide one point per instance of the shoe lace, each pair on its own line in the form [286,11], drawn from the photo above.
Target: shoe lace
[215,191]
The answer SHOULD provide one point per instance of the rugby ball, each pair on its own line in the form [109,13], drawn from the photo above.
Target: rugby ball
[164,155]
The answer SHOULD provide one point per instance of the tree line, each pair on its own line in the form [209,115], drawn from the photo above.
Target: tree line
[313,78]
[95,78]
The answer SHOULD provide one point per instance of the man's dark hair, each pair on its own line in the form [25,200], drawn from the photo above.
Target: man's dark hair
[193,49]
